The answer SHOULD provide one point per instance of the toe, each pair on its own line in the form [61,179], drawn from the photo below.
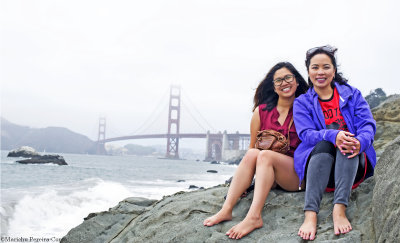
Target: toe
[231,233]
[234,235]
[312,236]
[337,232]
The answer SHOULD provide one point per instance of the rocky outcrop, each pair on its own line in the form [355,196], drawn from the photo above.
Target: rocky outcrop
[386,197]
[387,116]
[34,157]
[373,211]
[105,226]
[44,159]
[24,152]
[178,218]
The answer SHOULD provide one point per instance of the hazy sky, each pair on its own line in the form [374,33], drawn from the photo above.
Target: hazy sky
[65,63]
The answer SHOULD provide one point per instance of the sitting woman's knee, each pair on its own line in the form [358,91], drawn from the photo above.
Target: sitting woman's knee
[251,156]
[323,147]
[265,156]
[252,153]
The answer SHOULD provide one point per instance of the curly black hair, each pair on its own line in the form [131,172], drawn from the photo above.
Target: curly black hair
[265,93]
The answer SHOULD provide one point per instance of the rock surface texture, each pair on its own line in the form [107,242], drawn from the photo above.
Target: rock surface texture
[34,157]
[44,159]
[373,212]
[24,152]
[386,197]
[387,116]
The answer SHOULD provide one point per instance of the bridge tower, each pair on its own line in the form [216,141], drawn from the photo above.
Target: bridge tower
[101,136]
[214,146]
[173,122]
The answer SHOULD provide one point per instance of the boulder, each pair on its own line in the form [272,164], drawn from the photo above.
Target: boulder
[212,171]
[373,211]
[387,116]
[104,226]
[44,159]
[386,196]
[24,151]
[178,218]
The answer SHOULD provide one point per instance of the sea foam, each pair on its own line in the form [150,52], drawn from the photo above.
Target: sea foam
[54,212]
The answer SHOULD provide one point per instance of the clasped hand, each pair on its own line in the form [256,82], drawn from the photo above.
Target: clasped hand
[348,144]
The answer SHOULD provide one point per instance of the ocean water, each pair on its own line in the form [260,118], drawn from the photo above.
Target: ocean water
[49,200]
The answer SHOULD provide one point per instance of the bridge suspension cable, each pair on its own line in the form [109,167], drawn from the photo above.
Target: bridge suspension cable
[186,97]
[157,116]
[154,115]
[187,110]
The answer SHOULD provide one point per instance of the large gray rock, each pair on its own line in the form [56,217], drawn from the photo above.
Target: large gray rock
[24,151]
[44,159]
[105,226]
[373,211]
[387,116]
[178,218]
[386,199]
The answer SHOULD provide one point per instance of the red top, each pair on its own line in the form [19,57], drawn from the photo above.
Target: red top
[333,116]
[269,120]
[334,120]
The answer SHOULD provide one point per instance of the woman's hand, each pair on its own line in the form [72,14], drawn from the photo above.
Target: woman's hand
[347,144]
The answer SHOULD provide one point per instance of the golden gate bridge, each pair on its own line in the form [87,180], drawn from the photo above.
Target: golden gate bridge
[219,146]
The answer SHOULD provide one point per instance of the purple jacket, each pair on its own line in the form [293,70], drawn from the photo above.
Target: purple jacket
[311,128]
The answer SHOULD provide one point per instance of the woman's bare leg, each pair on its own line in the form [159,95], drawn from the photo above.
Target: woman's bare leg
[271,167]
[241,181]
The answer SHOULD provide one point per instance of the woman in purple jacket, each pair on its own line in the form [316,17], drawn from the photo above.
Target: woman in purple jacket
[336,127]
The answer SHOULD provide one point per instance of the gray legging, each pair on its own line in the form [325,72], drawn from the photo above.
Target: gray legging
[324,158]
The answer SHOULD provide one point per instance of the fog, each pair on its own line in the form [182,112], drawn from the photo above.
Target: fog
[66,63]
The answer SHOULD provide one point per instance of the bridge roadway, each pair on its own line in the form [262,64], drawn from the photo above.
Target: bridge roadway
[182,135]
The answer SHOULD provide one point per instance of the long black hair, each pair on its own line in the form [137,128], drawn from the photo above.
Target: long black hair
[265,93]
[330,52]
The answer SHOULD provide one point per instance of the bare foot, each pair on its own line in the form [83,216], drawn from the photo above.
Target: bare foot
[222,215]
[246,226]
[308,229]
[341,224]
